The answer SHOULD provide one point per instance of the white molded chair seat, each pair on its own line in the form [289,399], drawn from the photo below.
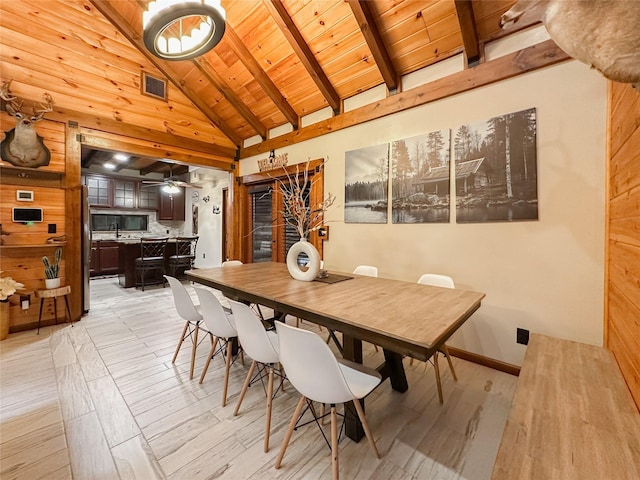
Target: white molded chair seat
[444,281]
[367,270]
[190,313]
[221,328]
[262,346]
[315,372]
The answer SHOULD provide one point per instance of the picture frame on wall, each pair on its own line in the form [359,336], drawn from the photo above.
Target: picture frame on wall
[420,178]
[496,169]
[366,184]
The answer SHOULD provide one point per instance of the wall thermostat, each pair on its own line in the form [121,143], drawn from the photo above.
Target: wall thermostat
[24,195]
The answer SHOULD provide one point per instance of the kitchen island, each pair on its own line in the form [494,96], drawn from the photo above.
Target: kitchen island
[128,251]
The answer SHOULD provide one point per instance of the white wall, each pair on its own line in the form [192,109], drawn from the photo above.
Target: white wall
[546,275]
[209,248]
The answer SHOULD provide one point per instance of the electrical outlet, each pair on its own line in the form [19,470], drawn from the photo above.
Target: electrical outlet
[51,228]
[522,336]
[24,302]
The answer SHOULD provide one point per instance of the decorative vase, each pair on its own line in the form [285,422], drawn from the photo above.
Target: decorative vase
[303,269]
[52,283]
[4,319]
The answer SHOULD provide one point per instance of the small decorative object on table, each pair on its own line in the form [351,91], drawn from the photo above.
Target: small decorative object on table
[8,287]
[51,270]
[305,219]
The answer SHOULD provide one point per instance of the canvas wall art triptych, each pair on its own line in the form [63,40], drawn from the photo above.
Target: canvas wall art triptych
[494,163]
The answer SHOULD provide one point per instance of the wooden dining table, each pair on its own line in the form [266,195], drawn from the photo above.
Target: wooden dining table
[404,318]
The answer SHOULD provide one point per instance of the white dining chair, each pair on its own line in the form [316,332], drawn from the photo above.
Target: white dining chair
[190,314]
[222,330]
[367,270]
[235,263]
[437,280]
[262,346]
[318,376]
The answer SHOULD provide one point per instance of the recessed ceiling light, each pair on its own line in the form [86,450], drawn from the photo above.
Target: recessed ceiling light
[109,165]
[121,157]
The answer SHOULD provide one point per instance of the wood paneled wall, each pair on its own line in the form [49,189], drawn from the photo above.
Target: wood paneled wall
[25,244]
[622,327]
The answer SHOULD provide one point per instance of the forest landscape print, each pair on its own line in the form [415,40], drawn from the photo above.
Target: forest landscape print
[420,178]
[496,169]
[366,184]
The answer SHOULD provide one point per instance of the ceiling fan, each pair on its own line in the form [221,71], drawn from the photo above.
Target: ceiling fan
[170,184]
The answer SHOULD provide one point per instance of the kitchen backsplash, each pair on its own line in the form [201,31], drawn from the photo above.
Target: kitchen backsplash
[156,228]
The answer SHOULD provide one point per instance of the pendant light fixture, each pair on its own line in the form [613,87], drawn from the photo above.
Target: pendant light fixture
[182,29]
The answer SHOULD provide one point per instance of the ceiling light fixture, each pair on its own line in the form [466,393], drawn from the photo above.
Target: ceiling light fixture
[180,30]
[109,165]
[121,157]
[170,188]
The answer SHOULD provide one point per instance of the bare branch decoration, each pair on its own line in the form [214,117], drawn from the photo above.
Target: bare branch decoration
[305,219]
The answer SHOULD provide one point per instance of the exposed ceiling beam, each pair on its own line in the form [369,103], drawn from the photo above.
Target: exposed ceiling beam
[293,35]
[467,22]
[103,141]
[366,21]
[217,81]
[248,60]
[108,125]
[127,164]
[134,36]
[154,167]
[91,157]
[529,59]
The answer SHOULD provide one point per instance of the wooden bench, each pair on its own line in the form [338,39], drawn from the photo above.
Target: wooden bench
[572,417]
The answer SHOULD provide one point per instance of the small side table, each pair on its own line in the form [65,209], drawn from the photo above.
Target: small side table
[53,293]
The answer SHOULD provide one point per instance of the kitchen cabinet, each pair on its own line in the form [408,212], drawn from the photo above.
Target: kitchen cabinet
[171,205]
[147,196]
[104,258]
[114,192]
[99,190]
[124,193]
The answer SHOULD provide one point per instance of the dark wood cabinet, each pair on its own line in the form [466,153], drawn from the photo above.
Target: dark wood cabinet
[99,190]
[171,205]
[108,253]
[124,193]
[104,258]
[94,266]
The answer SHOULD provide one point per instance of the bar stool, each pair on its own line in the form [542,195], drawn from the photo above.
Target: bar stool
[151,258]
[53,293]
[185,254]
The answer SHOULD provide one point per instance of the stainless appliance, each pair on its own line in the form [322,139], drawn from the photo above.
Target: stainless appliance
[86,248]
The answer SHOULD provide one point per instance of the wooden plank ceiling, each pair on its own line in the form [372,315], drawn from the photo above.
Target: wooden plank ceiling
[278,61]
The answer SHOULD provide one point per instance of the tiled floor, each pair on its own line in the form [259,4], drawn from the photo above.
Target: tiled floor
[102,400]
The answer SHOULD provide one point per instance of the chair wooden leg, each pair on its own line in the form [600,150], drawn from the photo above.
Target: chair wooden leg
[297,322]
[445,350]
[184,332]
[267,428]
[323,409]
[282,375]
[214,344]
[334,444]
[226,373]
[292,425]
[193,351]
[244,388]
[365,426]
[437,370]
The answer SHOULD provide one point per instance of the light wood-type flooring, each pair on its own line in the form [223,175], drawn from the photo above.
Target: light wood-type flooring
[102,400]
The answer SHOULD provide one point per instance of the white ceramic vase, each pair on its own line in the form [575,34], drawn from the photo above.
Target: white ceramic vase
[308,272]
[52,283]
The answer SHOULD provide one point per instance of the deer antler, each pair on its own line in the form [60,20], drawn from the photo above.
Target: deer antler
[44,107]
[5,93]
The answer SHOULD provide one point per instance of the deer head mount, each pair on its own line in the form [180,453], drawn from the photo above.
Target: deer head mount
[603,34]
[22,146]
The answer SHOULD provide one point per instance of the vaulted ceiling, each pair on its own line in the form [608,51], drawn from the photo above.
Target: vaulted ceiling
[278,61]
